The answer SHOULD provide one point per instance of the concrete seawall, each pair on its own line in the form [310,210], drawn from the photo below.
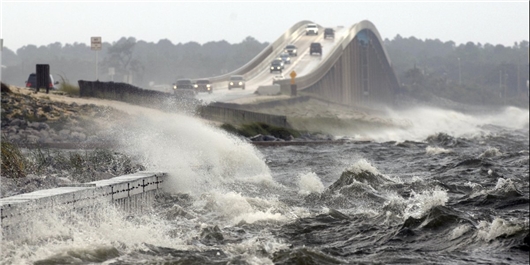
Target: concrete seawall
[240,116]
[132,193]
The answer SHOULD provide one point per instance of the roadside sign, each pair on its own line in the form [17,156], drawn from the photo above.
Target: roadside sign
[95,43]
[293,75]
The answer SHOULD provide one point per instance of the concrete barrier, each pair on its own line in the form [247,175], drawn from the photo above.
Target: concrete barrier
[132,193]
[268,90]
[239,116]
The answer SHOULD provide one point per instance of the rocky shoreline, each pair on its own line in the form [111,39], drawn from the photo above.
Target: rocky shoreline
[59,141]
[30,118]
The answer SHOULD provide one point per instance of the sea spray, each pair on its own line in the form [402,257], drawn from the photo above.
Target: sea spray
[197,156]
[310,183]
[425,121]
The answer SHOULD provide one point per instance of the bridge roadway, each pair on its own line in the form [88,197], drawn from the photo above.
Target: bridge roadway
[302,64]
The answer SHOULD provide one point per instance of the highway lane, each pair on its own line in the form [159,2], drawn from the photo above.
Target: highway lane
[302,64]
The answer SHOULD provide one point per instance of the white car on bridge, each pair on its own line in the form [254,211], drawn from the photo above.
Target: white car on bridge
[311,29]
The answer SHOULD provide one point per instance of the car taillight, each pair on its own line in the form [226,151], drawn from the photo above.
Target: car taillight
[28,84]
[51,85]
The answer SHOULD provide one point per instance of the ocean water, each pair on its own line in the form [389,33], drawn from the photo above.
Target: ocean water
[448,188]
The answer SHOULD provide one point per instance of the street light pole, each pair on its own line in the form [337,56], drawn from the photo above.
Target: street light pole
[459,73]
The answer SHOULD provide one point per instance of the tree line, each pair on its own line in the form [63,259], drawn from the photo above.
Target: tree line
[133,61]
[482,74]
[470,73]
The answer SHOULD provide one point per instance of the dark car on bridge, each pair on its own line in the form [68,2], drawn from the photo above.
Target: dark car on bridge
[276,66]
[203,85]
[285,57]
[236,81]
[184,88]
[315,47]
[329,33]
[291,50]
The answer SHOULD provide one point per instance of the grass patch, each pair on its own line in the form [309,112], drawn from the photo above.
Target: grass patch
[13,162]
[68,88]
[81,166]
[255,128]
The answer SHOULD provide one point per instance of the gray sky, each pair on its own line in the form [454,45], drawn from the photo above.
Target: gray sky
[45,22]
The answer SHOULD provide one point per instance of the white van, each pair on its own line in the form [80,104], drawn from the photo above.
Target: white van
[311,29]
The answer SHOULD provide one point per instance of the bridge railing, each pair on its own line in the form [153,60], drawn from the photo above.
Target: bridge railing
[317,73]
[256,65]
[314,76]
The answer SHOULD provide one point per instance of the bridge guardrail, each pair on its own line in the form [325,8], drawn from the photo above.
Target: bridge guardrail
[311,78]
[250,68]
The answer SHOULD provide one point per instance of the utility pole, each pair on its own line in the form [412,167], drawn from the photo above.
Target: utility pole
[500,83]
[459,72]
[95,45]
[505,86]
[1,50]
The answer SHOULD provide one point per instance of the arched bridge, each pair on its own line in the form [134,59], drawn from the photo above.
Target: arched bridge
[353,70]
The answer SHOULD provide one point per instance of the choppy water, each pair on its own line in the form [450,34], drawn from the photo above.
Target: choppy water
[449,189]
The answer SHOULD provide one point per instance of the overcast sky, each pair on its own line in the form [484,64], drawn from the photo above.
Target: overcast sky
[67,22]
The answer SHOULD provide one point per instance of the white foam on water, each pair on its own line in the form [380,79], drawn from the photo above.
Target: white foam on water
[237,208]
[434,150]
[420,203]
[310,183]
[252,249]
[54,235]
[363,165]
[491,152]
[489,231]
[502,185]
[196,155]
[459,231]
[419,123]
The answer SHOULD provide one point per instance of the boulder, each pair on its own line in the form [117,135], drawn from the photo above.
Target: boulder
[78,136]
[255,138]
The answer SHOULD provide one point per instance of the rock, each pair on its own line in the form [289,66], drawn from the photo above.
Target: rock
[63,180]
[17,122]
[78,136]
[77,129]
[258,137]
[44,134]
[47,140]
[47,108]
[44,126]
[14,138]
[32,139]
[269,138]
[64,133]
[33,125]
[10,129]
